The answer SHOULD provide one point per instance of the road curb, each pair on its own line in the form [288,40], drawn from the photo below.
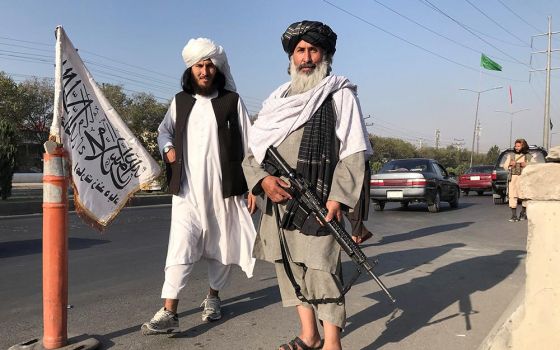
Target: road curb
[35,205]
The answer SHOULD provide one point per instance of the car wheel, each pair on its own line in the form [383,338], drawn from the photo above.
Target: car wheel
[466,192]
[434,206]
[454,203]
[378,206]
[404,205]
[480,193]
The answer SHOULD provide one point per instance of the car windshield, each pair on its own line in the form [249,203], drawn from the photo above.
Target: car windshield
[480,170]
[403,165]
[536,157]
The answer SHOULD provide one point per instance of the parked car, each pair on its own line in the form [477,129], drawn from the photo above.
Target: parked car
[414,180]
[500,172]
[477,178]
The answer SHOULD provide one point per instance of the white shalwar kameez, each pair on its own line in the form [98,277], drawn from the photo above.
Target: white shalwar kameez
[203,223]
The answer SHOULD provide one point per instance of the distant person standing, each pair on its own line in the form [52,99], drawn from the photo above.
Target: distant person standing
[515,163]
[203,139]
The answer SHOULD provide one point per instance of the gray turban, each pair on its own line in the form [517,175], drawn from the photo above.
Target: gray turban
[315,33]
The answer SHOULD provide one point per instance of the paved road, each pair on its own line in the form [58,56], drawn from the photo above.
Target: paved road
[454,273]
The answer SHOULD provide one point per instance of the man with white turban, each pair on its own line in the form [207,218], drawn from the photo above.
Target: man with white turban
[316,125]
[203,139]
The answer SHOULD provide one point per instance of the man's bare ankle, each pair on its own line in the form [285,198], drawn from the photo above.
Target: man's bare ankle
[312,341]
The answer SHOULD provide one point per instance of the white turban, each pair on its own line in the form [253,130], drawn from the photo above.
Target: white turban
[202,49]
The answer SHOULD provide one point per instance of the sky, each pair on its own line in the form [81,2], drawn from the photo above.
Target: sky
[409,58]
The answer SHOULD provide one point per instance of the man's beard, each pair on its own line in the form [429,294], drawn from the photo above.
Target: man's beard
[302,82]
[204,90]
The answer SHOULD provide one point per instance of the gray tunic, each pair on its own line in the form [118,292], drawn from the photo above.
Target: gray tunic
[320,253]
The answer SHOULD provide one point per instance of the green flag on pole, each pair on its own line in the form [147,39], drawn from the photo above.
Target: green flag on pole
[487,63]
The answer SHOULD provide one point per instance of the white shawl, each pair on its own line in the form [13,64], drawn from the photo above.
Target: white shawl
[280,116]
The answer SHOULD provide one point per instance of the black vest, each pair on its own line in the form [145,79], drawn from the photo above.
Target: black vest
[229,136]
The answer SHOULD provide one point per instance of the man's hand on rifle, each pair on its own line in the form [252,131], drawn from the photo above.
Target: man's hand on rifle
[335,211]
[274,188]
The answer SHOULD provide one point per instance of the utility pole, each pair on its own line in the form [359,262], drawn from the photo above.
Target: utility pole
[546,129]
[478,136]
[476,114]
[437,138]
[549,50]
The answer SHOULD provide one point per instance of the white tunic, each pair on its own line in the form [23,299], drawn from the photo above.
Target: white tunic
[203,223]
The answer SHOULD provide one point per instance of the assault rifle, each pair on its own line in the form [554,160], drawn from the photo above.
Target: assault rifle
[304,191]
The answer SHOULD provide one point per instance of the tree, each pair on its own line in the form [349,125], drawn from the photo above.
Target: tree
[116,96]
[35,109]
[145,113]
[8,98]
[8,150]
[387,148]
[492,154]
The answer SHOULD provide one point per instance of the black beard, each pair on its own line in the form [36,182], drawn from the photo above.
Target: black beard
[204,91]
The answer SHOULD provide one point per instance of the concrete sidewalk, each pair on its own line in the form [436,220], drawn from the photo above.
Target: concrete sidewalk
[27,198]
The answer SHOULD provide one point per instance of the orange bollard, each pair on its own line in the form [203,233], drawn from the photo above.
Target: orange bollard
[55,249]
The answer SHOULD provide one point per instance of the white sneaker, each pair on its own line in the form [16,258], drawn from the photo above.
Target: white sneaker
[164,321]
[212,309]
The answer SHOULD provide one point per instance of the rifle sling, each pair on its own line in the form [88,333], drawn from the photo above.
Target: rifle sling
[286,262]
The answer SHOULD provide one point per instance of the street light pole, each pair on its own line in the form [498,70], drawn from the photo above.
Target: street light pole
[476,115]
[511,121]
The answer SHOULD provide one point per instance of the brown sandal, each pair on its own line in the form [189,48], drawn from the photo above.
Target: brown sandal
[297,343]
[362,239]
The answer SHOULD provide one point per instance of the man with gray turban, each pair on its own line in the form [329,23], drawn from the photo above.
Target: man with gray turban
[203,139]
[316,124]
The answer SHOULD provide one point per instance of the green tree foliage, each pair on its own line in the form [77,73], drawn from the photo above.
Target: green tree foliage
[492,154]
[8,98]
[145,113]
[387,148]
[8,150]
[36,100]
[454,159]
[117,97]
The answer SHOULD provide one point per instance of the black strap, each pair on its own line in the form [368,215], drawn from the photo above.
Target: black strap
[286,262]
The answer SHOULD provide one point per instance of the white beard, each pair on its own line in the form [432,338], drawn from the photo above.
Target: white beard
[302,82]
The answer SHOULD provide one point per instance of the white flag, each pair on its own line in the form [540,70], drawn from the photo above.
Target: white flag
[107,163]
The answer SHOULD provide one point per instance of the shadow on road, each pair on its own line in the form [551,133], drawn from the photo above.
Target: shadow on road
[231,308]
[426,231]
[234,307]
[35,246]
[420,300]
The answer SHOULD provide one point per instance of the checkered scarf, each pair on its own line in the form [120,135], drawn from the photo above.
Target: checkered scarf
[318,152]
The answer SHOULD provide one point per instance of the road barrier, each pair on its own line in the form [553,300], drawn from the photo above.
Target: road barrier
[534,317]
